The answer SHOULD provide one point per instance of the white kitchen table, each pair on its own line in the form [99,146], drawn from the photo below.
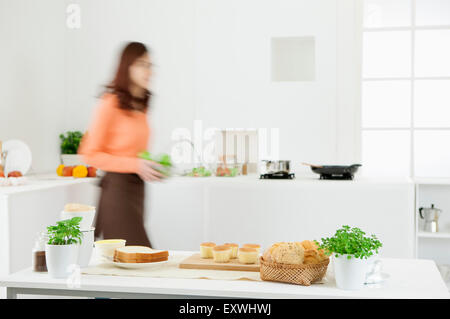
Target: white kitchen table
[409,278]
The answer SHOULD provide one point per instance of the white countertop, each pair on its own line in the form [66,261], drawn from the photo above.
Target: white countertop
[409,278]
[44,181]
[299,180]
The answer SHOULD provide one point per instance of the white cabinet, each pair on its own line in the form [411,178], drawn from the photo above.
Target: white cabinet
[28,209]
[183,212]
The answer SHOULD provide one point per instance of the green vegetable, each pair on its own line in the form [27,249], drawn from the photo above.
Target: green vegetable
[66,232]
[70,142]
[200,171]
[351,242]
[163,159]
[145,155]
[234,171]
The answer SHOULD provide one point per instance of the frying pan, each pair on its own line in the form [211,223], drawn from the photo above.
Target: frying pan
[330,171]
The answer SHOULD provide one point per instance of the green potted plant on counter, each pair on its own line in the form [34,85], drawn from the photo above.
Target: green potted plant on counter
[61,250]
[351,250]
[70,141]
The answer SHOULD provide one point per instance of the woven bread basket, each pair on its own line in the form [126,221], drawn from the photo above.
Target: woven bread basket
[294,274]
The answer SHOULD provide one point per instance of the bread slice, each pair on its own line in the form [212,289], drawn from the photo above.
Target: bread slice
[75,207]
[139,254]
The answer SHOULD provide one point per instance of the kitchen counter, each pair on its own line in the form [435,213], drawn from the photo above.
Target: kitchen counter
[28,209]
[407,279]
[45,181]
[246,209]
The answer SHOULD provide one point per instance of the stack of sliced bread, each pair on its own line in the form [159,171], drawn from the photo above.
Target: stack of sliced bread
[139,254]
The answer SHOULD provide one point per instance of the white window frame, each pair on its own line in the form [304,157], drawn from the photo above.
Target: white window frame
[412,129]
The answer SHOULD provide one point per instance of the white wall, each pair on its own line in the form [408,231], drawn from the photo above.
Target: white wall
[233,86]
[32,75]
[211,63]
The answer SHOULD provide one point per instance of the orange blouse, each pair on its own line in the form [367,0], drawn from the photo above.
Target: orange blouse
[115,137]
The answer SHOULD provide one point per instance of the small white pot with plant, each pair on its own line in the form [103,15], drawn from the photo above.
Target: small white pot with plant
[70,141]
[351,251]
[61,250]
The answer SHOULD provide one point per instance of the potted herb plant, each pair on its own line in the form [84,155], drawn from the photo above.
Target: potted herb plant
[351,250]
[61,250]
[70,141]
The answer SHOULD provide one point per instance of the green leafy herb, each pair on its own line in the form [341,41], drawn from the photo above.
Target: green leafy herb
[70,142]
[234,171]
[66,232]
[351,242]
[145,155]
[200,171]
[163,159]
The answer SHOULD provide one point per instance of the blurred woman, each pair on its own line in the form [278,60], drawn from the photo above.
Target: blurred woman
[118,132]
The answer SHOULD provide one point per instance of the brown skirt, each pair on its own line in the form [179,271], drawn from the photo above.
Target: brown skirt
[120,212]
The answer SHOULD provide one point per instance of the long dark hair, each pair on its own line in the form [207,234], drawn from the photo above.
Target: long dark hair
[121,82]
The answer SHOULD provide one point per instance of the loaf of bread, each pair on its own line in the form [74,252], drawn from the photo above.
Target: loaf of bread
[74,207]
[313,255]
[139,254]
[285,253]
[295,253]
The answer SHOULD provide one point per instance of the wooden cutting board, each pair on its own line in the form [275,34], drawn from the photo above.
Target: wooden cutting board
[196,262]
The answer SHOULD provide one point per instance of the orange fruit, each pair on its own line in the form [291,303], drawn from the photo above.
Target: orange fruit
[59,170]
[67,170]
[80,171]
[92,171]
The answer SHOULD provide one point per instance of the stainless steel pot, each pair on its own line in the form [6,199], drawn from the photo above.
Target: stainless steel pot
[273,167]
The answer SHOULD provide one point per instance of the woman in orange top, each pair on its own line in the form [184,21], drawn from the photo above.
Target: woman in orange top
[118,132]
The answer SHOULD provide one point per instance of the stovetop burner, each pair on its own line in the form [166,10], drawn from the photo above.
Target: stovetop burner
[277,176]
[345,176]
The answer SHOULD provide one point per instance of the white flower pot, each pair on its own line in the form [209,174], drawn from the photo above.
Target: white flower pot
[59,258]
[350,273]
[71,159]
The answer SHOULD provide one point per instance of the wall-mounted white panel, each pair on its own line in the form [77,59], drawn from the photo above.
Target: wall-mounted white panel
[293,59]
